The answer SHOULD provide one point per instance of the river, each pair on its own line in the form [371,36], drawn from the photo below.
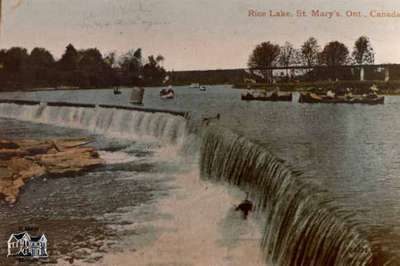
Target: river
[348,152]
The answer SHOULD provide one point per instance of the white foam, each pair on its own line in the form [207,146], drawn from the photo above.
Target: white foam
[202,229]
[127,124]
[117,157]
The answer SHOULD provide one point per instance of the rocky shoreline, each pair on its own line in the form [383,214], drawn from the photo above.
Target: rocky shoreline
[22,160]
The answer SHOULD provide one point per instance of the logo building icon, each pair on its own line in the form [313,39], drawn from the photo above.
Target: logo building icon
[24,245]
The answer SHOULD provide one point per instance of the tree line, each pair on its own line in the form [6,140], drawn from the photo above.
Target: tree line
[86,68]
[334,54]
[324,64]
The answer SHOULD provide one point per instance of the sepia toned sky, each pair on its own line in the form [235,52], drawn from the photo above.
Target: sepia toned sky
[193,34]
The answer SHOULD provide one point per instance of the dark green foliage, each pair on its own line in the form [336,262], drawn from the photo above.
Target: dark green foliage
[77,68]
[264,55]
[40,57]
[363,52]
[15,59]
[69,60]
[335,54]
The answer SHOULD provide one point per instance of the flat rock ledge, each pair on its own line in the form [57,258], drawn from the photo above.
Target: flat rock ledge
[22,160]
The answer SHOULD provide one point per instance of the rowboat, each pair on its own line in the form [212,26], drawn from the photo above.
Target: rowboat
[167,93]
[315,98]
[275,97]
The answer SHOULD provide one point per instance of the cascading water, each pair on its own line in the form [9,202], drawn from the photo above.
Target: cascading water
[303,227]
[113,122]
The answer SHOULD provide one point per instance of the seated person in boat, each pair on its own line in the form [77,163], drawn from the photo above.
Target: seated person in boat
[170,90]
[330,94]
[248,91]
[348,94]
[373,92]
[275,93]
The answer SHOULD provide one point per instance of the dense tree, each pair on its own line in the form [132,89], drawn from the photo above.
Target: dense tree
[69,60]
[335,54]
[153,73]
[134,69]
[41,67]
[83,68]
[40,57]
[92,69]
[310,50]
[91,60]
[264,56]
[15,59]
[363,53]
[131,62]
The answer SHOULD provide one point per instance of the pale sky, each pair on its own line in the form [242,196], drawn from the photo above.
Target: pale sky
[193,34]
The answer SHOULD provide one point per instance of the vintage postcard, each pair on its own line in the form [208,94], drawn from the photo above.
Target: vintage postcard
[200,132]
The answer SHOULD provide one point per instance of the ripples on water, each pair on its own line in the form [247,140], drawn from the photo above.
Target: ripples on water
[79,215]
[136,205]
[349,150]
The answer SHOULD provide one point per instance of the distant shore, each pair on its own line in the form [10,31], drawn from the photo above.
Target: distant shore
[385,88]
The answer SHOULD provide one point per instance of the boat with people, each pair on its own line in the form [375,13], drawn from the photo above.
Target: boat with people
[361,99]
[331,97]
[167,93]
[275,96]
[117,91]
[203,88]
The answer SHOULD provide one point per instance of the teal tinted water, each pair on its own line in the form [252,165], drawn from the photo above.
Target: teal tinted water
[135,207]
[350,150]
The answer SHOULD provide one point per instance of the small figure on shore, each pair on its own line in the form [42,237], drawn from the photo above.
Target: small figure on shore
[206,121]
[245,206]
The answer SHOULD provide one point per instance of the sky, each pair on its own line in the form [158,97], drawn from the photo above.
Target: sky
[193,34]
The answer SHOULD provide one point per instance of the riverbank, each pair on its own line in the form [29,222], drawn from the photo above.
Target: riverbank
[25,159]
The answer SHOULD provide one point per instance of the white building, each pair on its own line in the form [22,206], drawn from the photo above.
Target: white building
[22,244]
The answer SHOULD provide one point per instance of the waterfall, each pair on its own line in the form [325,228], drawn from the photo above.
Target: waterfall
[115,122]
[303,226]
